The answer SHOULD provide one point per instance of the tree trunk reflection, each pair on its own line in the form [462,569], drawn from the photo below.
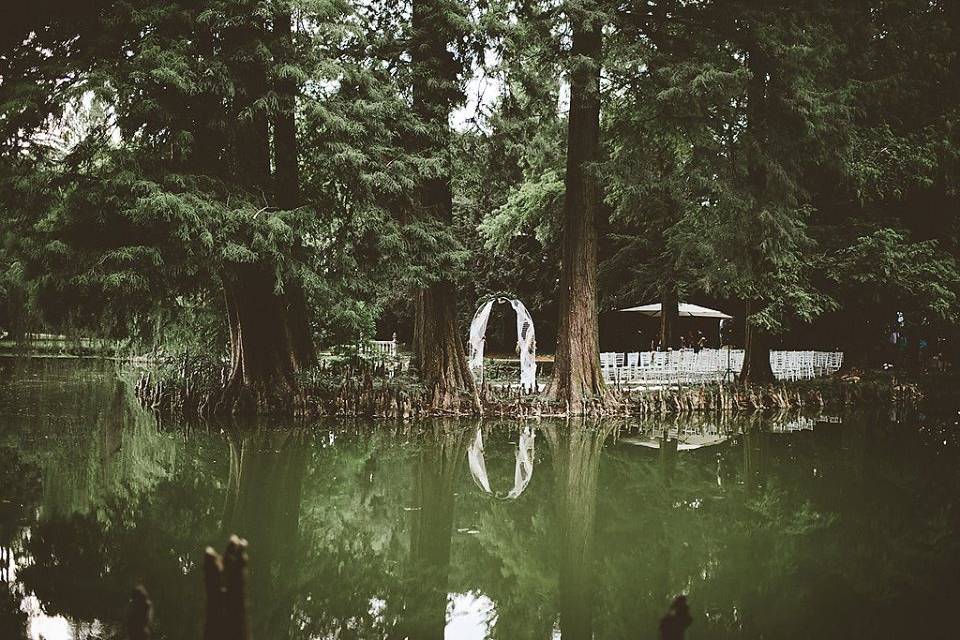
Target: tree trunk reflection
[263,506]
[443,449]
[576,462]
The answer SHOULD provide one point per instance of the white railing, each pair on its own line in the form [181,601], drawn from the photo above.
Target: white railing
[686,366]
[380,348]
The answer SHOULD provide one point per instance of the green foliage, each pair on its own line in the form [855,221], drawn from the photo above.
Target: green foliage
[789,156]
[886,272]
[535,206]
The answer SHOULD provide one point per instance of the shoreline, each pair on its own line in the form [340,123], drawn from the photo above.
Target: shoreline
[360,395]
[171,388]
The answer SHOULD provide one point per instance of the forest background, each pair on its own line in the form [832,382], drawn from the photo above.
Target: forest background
[260,179]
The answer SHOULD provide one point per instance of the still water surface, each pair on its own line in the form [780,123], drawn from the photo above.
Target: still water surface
[789,528]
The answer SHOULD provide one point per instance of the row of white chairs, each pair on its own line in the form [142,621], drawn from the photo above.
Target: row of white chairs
[804,365]
[685,366]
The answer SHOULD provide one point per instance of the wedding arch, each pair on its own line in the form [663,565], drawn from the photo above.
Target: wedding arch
[526,342]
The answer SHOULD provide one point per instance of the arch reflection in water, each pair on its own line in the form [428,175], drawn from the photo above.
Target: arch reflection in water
[523,471]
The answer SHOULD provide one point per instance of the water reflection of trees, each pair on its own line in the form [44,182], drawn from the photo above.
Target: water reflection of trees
[576,450]
[441,455]
[20,481]
[262,505]
[361,532]
[112,513]
[535,557]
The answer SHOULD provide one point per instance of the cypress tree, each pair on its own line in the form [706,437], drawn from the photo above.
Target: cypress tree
[577,378]
[437,341]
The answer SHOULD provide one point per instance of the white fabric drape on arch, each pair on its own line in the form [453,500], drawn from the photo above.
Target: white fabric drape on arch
[526,342]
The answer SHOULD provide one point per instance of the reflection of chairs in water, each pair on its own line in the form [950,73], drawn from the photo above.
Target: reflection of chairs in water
[799,423]
[523,471]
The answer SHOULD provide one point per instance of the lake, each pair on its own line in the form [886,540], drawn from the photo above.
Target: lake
[808,526]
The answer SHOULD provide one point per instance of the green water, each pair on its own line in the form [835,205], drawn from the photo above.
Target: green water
[788,529]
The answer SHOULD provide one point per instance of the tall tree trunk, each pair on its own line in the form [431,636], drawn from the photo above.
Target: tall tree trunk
[577,378]
[262,359]
[287,177]
[298,325]
[756,359]
[287,181]
[669,312]
[207,113]
[438,343]
[438,349]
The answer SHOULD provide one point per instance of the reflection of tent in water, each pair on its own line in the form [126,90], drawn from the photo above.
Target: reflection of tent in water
[685,442]
[523,470]
[696,436]
[688,436]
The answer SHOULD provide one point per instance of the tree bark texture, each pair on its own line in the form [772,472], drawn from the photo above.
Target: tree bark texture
[287,181]
[577,378]
[669,313]
[287,175]
[208,117]
[438,347]
[262,357]
[438,343]
[756,359]
[251,133]
[269,332]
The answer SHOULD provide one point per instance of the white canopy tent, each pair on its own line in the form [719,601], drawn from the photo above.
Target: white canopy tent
[687,310]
